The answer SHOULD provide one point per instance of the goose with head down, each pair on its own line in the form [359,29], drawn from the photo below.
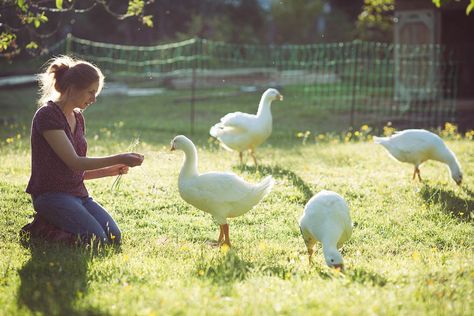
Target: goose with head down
[326,219]
[221,194]
[416,146]
[242,131]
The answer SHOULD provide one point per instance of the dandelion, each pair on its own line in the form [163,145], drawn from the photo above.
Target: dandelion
[415,255]
[304,136]
[364,128]
[388,130]
[18,136]
[356,133]
[225,248]
[321,136]
[201,272]
[9,140]
[262,245]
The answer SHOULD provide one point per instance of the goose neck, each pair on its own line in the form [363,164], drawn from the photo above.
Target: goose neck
[264,107]
[189,168]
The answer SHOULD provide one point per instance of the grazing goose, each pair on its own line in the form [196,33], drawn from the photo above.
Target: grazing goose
[416,146]
[221,194]
[241,131]
[326,219]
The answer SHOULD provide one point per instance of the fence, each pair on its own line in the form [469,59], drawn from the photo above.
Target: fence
[365,82]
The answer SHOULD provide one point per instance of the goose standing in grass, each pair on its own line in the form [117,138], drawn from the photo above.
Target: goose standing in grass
[220,194]
[241,131]
[416,146]
[326,219]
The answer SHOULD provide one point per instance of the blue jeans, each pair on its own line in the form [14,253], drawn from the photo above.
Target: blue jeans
[81,216]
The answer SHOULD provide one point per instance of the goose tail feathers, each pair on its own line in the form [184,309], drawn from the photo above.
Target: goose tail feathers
[379,140]
[265,186]
[216,130]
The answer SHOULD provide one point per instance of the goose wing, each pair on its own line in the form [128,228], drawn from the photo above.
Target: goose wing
[217,191]
[238,120]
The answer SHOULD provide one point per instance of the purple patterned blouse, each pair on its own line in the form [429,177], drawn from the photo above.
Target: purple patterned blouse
[48,172]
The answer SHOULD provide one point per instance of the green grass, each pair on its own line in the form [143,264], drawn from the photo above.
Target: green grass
[411,251]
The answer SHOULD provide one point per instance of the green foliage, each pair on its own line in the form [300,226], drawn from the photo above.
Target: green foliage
[38,15]
[439,3]
[470,7]
[135,7]
[410,252]
[6,40]
[375,22]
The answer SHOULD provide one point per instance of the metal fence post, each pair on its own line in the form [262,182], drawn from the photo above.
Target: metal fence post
[68,43]
[193,86]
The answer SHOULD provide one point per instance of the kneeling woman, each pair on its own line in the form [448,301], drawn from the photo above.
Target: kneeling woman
[59,162]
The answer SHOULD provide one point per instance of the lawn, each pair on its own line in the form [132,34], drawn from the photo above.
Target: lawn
[411,251]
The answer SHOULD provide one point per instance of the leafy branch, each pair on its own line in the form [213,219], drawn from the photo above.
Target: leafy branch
[32,15]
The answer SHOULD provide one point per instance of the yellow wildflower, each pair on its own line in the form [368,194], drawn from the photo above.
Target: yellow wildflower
[225,248]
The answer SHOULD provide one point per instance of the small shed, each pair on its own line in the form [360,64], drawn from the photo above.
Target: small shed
[450,34]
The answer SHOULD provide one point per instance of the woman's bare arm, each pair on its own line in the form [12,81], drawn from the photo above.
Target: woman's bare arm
[61,145]
[111,171]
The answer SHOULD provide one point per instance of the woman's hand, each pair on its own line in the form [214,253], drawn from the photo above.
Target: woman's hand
[132,159]
[116,170]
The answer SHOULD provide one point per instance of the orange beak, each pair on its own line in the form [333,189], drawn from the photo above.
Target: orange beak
[339,267]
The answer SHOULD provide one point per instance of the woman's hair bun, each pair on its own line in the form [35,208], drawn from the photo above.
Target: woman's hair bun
[58,70]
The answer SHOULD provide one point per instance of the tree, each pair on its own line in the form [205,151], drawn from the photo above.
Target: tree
[375,22]
[26,24]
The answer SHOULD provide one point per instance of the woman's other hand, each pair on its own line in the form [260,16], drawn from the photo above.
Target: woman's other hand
[117,170]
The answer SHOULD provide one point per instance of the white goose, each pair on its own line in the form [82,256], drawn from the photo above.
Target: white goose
[326,219]
[241,131]
[221,194]
[416,146]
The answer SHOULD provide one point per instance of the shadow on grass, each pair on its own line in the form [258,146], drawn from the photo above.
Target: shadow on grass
[366,277]
[452,205]
[53,279]
[279,172]
[224,269]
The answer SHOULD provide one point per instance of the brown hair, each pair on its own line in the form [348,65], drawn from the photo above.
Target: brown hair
[65,72]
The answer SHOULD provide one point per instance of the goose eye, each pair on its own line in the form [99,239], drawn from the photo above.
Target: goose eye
[332,260]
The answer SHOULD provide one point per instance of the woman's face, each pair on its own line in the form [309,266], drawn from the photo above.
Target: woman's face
[84,98]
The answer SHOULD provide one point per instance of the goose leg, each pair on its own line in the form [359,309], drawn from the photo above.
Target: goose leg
[419,176]
[241,159]
[252,153]
[310,256]
[414,173]
[221,234]
[226,234]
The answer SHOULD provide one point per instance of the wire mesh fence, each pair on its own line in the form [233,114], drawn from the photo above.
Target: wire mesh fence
[365,82]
